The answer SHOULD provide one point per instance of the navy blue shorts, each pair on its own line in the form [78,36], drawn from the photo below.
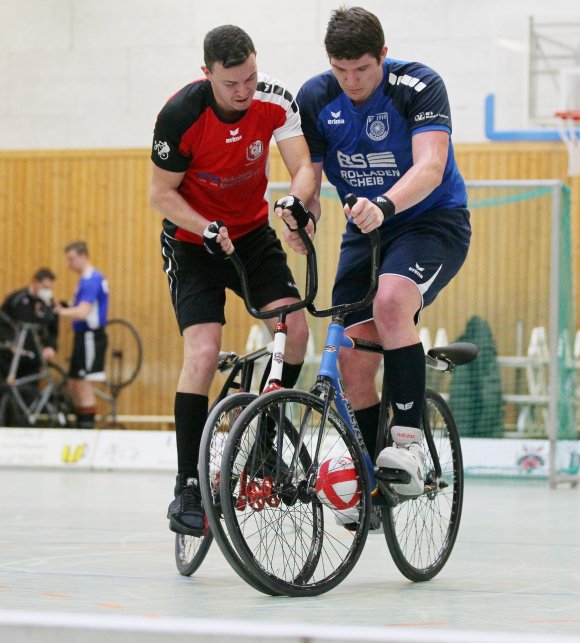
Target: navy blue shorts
[428,250]
[198,280]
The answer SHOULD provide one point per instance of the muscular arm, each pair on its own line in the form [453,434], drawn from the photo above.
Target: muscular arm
[165,198]
[296,157]
[314,204]
[430,151]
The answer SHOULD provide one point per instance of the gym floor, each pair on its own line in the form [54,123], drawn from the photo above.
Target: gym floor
[97,543]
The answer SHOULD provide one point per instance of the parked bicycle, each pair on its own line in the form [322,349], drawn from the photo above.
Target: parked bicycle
[38,398]
[295,461]
[41,398]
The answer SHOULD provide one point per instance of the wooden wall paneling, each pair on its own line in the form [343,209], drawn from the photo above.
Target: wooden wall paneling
[51,198]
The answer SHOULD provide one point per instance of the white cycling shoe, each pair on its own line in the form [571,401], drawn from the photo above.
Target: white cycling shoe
[348,518]
[406,454]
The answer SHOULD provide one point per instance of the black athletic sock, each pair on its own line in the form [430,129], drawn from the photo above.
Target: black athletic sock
[368,423]
[290,374]
[404,379]
[190,416]
[85,417]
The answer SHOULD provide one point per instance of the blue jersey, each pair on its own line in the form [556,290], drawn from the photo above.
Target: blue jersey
[366,149]
[94,289]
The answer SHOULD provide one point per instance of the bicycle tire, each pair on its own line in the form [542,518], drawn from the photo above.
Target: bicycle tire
[213,440]
[124,356]
[421,531]
[190,552]
[318,556]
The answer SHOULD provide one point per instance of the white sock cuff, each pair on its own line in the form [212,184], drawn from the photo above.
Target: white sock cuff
[404,435]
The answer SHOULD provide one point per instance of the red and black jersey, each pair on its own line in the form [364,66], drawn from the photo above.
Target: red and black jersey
[225,162]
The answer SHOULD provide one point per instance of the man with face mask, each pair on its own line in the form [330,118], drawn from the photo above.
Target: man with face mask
[33,304]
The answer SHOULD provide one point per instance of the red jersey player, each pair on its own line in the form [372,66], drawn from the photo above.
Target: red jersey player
[210,153]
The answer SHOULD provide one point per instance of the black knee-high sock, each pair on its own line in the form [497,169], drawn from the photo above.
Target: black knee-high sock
[404,379]
[368,423]
[190,416]
[290,374]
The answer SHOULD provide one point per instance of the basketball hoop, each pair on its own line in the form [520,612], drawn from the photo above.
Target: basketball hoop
[569,126]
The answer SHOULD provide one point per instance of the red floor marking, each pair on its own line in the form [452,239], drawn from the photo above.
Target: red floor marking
[112,606]
[53,595]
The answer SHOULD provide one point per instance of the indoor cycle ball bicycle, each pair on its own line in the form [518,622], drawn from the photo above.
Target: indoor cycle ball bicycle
[289,451]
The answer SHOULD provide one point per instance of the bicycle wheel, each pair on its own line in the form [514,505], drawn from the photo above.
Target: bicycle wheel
[190,552]
[421,531]
[213,440]
[124,354]
[271,465]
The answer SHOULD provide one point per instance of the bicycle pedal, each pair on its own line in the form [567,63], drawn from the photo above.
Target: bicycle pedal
[398,476]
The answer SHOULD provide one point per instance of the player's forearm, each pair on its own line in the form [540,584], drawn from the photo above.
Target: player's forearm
[76,313]
[314,206]
[415,185]
[175,208]
[303,183]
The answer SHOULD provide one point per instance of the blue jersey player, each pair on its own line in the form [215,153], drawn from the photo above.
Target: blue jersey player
[88,313]
[381,128]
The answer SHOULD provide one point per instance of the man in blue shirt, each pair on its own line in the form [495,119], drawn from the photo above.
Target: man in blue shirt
[89,318]
[381,128]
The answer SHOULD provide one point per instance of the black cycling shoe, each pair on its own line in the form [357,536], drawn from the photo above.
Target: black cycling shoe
[185,513]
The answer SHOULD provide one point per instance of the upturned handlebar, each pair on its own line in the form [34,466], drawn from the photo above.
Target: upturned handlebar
[311,282]
[341,309]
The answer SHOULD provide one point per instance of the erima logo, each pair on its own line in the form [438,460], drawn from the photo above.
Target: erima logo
[234,136]
[404,406]
[418,270]
[415,83]
[335,120]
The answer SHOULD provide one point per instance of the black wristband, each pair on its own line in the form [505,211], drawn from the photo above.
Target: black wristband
[386,205]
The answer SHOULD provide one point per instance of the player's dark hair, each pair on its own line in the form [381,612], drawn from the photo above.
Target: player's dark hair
[228,45]
[353,32]
[43,273]
[80,247]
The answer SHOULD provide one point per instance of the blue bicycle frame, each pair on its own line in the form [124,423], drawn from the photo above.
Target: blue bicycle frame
[328,377]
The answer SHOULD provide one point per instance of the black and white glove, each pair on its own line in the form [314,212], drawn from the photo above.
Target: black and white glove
[299,211]
[210,242]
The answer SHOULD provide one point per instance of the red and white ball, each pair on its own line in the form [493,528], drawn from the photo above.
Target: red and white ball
[337,484]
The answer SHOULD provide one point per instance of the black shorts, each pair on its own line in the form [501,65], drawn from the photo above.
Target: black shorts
[428,250]
[88,357]
[198,280]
